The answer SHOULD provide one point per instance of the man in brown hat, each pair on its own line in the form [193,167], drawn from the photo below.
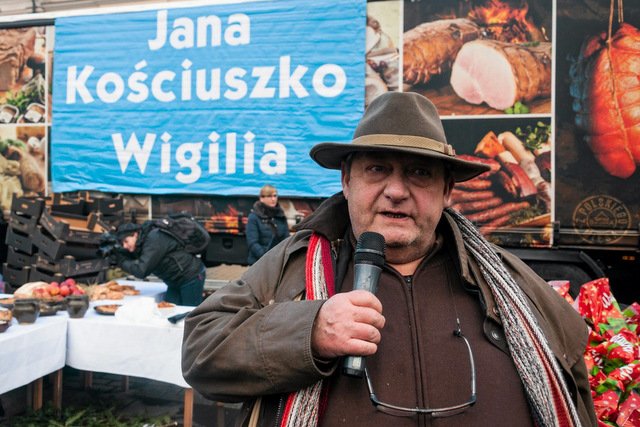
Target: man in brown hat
[459,332]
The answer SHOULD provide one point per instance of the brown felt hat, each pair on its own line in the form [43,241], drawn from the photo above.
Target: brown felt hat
[403,123]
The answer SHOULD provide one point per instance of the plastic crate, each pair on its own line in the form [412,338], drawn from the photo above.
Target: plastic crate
[47,276]
[72,228]
[69,266]
[17,259]
[107,206]
[56,249]
[24,224]
[21,241]
[15,276]
[27,206]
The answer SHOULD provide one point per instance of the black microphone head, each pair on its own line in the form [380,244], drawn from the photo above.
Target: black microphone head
[370,249]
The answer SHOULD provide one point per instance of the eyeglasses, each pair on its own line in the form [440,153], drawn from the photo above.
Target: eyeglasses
[401,411]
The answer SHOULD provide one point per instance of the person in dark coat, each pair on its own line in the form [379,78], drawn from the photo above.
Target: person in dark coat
[152,251]
[458,333]
[267,224]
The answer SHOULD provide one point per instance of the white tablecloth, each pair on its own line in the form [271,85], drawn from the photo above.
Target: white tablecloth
[30,351]
[102,343]
[95,343]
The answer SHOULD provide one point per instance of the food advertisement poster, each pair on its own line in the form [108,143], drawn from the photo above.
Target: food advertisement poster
[487,66]
[23,113]
[206,100]
[545,102]
[597,159]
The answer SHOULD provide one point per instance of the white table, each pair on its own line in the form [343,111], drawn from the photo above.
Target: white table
[100,343]
[97,343]
[30,351]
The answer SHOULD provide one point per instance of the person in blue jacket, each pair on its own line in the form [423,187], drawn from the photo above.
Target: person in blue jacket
[267,225]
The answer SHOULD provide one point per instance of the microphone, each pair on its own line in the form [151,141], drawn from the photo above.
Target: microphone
[368,262]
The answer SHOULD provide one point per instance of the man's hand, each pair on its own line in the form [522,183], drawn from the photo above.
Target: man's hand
[348,324]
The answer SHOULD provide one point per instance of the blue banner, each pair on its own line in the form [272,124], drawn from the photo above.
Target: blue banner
[216,99]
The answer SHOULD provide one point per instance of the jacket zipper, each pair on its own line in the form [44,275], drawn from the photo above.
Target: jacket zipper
[279,412]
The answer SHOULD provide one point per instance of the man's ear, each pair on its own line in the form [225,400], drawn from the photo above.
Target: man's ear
[448,190]
[344,173]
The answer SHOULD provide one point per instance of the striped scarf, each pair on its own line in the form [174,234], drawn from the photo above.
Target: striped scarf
[303,407]
[539,371]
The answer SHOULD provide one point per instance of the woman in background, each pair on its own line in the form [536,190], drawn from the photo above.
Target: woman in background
[267,224]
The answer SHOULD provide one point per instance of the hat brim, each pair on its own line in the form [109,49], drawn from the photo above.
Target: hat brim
[330,155]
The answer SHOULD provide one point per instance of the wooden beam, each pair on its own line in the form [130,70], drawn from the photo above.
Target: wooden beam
[188,407]
[36,403]
[57,389]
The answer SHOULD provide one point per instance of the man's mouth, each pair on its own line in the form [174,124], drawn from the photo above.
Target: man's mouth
[394,215]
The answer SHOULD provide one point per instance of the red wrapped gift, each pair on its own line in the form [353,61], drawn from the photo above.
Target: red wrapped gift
[596,304]
[562,287]
[623,346]
[629,413]
[612,355]
[632,315]
[606,405]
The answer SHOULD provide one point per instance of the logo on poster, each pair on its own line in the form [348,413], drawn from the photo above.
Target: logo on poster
[598,219]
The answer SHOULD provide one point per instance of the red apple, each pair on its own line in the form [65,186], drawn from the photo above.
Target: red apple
[53,288]
[64,290]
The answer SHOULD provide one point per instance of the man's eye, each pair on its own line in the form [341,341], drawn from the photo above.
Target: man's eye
[375,168]
[421,172]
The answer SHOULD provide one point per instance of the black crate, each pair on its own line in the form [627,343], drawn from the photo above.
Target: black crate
[24,224]
[56,249]
[61,227]
[69,266]
[106,223]
[27,206]
[21,241]
[46,276]
[15,276]
[76,208]
[227,248]
[107,206]
[17,259]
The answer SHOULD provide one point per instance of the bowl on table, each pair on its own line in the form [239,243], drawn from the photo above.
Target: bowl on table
[26,310]
[77,305]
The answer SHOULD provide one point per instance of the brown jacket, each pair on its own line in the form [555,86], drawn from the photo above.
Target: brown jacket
[252,339]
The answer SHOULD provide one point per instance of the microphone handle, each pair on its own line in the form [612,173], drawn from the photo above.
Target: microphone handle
[366,278]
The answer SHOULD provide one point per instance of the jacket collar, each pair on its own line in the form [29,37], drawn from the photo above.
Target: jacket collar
[331,218]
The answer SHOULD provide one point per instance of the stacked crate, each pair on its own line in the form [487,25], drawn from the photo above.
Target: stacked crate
[58,239]
[68,237]
[21,253]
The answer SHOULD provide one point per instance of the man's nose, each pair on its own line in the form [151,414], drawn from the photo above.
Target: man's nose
[397,185]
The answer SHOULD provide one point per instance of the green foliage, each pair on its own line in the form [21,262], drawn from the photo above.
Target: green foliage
[92,416]
[31,92]
[6,142]
[517,108]
[534,136]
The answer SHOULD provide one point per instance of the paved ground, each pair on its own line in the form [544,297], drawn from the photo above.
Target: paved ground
[142,397]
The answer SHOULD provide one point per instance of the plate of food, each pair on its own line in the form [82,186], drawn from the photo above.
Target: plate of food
[7,302]
[166,308]
[107,309]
